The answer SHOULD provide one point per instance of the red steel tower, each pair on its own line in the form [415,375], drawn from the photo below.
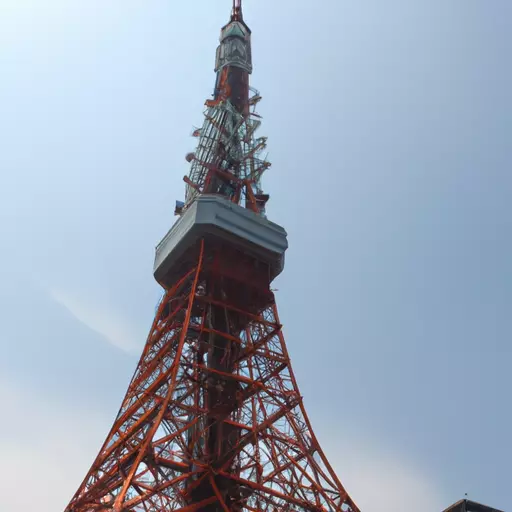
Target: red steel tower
[213,419]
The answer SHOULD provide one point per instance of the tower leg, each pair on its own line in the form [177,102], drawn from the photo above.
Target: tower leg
[213,419]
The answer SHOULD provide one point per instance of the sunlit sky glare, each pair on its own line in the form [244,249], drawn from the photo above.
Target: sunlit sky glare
[389,128]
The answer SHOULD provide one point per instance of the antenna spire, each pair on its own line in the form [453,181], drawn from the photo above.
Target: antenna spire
[237,10]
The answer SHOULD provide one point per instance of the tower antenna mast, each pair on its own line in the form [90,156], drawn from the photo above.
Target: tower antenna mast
[237,10]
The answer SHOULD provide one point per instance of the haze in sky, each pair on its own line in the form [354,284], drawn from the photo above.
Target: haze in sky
[389,129]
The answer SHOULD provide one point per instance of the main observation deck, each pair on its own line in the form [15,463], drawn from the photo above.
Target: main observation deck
[212,216]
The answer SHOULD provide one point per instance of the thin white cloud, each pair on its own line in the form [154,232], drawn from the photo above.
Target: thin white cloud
[100,318]
[390,484]
[377,479]
[46,447]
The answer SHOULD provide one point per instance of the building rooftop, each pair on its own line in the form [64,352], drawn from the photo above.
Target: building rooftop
[470,506]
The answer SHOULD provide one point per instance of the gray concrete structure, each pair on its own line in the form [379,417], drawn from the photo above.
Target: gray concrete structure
[215,216]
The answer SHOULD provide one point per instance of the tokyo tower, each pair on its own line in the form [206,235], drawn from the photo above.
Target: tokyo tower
[213,419]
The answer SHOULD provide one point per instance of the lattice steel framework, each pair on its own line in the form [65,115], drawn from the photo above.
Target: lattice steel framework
[228,146]
[229,436]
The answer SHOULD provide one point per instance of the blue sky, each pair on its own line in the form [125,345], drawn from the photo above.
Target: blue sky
[389,129]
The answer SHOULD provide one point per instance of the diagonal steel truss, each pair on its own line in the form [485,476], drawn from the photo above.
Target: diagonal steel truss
[213,418]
